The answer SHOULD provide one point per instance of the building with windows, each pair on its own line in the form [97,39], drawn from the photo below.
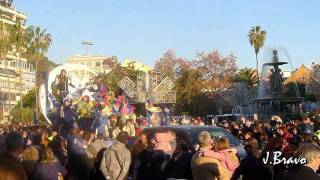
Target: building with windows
[136,65]
[13,69]
[93,62]
[9,14]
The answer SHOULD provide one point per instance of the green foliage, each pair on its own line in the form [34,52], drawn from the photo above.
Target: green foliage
[18,37]
[29,99]
[27,114]
[28,103]
[32,43]
[38,41]
[117,73]
[207,71]
[256,37]
[247,75]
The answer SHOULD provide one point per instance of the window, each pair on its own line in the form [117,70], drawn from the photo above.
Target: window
[98,64]
[12,85]
[82,72]
[89,64]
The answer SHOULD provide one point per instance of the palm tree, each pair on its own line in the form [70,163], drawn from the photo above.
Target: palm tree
[18,41]
[248,76]
[256,38]
[38,43]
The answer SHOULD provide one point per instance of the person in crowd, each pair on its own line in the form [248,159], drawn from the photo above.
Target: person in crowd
[30,158]
[49,168]
[2,143]
[129,128]
[247,126]
[79,164]
[99,143]
[164,145]
[275,144]
[140,145]
[235,129]
[144,171]
[116,130]
[224,154]
[207,168]
[37,142]
[113,121]
[311,153]
[116,160]
[179,166]
[250,167]
[10,164]
[256,133]
[59,149]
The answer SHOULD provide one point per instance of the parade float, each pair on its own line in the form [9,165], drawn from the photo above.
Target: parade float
[65,98]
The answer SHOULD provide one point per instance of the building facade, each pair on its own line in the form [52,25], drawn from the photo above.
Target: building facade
[17,76]
[95,63]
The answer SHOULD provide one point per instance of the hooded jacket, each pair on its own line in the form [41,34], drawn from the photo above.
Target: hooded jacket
[115,162]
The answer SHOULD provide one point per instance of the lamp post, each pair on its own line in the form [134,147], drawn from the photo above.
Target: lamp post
[20,84]
[8,83]
[87,44]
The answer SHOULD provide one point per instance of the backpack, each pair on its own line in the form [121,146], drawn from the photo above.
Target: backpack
[111,164]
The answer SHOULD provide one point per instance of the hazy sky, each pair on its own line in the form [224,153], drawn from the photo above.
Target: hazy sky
[145,29]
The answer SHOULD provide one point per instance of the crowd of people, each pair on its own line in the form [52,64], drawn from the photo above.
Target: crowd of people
[99,136]
[126,151]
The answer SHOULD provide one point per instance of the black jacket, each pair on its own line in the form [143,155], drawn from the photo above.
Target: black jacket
[298,173]
[251,168]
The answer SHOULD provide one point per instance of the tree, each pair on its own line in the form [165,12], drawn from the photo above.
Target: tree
[208,71]
[216,71]
[38,43]
[27,107]
[168,65]
[111,63]
[188,87]
[256,37]
[247,75]
[117,73]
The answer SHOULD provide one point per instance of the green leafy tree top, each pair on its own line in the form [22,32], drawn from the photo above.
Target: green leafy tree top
[256,37]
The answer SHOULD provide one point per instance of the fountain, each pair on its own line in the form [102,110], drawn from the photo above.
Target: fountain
[273,98]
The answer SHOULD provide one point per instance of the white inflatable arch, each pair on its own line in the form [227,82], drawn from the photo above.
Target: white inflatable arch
[45,106]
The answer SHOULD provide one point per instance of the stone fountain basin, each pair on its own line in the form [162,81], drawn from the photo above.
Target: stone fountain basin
[275,63]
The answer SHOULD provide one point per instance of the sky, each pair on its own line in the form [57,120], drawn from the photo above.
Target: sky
[144,29]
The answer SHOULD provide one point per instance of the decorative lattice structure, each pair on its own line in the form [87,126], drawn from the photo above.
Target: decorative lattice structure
[147,88]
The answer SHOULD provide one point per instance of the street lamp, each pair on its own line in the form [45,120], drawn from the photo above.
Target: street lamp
[87,44]
[9,88]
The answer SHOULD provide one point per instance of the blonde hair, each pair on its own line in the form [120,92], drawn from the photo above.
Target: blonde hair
[48,155]
[204,139]
[30,154]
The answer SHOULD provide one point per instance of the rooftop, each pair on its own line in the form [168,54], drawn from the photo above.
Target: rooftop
[86,58]
[10,8]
